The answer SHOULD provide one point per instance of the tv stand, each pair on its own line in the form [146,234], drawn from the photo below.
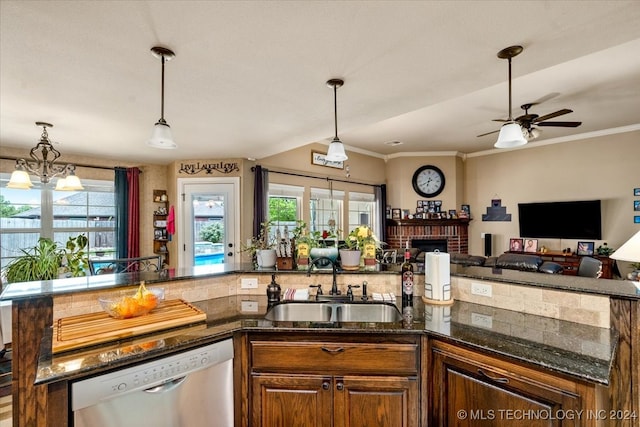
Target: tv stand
[571,261]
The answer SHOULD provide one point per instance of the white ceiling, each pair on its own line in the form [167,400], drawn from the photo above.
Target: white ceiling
[249,77]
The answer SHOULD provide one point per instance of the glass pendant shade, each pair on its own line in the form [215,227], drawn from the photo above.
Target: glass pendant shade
[630,251]
[72,182]
[336,151]
[61,184]
[510,136]
[20,180]
[161,137]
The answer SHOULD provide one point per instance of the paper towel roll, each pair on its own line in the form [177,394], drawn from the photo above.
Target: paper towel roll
[437,284]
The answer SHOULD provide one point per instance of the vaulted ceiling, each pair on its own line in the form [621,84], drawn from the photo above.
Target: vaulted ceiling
[249,77]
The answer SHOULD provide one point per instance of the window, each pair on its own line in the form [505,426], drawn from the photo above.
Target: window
[326,213]
[285,207]
[27,215]
[362,207]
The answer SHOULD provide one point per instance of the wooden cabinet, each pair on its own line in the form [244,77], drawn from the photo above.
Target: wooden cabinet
[334,381]
[160,214]
[468,388]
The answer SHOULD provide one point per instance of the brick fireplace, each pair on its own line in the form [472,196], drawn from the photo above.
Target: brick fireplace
[454,231]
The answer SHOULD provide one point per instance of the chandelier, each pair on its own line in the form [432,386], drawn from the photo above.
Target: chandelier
[42,164]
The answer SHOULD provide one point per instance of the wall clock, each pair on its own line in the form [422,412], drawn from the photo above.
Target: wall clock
[428,181]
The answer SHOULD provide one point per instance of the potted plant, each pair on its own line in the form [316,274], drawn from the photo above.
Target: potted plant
[324,245]
[262,247]
[47,261]
[359,248]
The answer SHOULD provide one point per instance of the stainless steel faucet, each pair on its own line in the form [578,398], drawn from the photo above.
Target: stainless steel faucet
[334,286]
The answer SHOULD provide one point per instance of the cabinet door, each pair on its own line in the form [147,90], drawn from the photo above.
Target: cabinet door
[470,393]
[372,401]
[291,400]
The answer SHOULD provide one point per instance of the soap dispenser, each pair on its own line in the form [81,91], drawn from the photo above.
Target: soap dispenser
[273,291]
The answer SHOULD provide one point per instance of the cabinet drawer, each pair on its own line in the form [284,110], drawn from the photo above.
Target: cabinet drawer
[337,357]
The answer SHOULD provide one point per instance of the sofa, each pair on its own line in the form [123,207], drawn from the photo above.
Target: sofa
[522,262]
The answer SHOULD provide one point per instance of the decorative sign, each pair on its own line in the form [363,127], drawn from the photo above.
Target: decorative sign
[194,168]
[320,159]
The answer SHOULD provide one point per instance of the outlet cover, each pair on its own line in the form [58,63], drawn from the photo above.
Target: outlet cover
[482,289]
[249,283]
[249,306]
[481,320]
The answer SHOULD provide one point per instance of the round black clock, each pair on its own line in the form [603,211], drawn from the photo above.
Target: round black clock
[428,181]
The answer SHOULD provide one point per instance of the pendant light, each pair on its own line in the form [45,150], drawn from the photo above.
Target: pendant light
[43,164]
[336,148]
[161,136]
[511,133]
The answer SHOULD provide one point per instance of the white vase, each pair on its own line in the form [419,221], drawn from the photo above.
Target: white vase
[266,258]
[350,259]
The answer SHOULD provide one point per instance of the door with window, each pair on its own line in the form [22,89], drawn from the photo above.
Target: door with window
[210,229]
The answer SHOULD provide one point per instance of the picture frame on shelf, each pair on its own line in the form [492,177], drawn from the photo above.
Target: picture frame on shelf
[531,245]
[636,219]
[515,244]
[636,191]
[405,213]
[453,214]
[396,213]
[585,248]
[636,205]
[419,205]
[320,159]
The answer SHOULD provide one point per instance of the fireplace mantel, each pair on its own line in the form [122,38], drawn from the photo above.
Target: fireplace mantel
[455,231]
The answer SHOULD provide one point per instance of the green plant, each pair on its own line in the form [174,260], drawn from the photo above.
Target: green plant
[635,265]
[604,250]
[39,263]
[213,232]
[360,236]
[264,240]
[46,260]
[75,258]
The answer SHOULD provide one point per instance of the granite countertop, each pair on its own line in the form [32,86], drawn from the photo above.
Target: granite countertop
[582,351]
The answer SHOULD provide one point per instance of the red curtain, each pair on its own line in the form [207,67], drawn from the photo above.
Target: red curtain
[133,235]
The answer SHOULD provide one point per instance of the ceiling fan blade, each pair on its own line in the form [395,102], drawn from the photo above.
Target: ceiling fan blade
[500,120]
[560,124]
[552,115]
[488,133]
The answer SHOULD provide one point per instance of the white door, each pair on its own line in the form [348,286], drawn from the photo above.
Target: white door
[211,227]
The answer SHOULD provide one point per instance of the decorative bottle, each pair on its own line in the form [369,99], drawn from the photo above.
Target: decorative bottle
[407,278]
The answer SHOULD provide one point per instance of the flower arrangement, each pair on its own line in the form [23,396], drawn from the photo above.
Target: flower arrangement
[359,237]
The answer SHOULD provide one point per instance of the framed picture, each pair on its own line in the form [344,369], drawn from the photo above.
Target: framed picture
[453,214]
[515,245]
[636,191]
[405,213]
[419,209]
[531,245]
[585,248]
[320,159]
[419,203]
[466,208]
[396,213]
[636,219]
[636,205]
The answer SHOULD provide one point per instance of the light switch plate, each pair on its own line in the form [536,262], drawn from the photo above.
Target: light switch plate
[249,283]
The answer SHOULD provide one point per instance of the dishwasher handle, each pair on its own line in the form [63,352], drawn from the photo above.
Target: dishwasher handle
[167,386]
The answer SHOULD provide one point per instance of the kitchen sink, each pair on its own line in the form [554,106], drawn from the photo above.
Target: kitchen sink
[300,312]
[368,313]
[378,312]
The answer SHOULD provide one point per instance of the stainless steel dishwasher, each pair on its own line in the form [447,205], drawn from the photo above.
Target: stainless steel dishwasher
[188,389]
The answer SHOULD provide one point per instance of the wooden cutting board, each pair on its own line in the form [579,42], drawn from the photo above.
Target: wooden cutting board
[95,328]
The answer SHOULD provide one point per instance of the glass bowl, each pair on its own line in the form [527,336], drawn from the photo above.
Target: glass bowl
[128,306]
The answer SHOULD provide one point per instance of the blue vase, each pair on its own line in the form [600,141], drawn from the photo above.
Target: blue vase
[330,252]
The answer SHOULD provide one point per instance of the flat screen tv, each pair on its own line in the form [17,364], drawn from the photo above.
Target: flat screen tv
[561,220]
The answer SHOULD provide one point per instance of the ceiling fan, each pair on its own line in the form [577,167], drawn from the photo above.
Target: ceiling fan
[526,121]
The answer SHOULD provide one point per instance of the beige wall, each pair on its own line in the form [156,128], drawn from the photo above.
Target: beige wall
[606,168]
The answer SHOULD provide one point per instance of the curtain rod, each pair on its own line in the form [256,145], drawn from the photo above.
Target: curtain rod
[253,169]
[73,163]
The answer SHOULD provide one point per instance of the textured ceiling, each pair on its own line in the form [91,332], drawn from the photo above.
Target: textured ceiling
[249,77]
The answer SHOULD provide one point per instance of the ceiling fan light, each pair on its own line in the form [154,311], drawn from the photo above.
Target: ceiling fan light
[336,151]
[510,136]
[20,180]
[161,137]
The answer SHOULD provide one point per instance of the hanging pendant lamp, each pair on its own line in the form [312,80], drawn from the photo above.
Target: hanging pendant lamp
[336,148]
[511,133]
[161,136]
